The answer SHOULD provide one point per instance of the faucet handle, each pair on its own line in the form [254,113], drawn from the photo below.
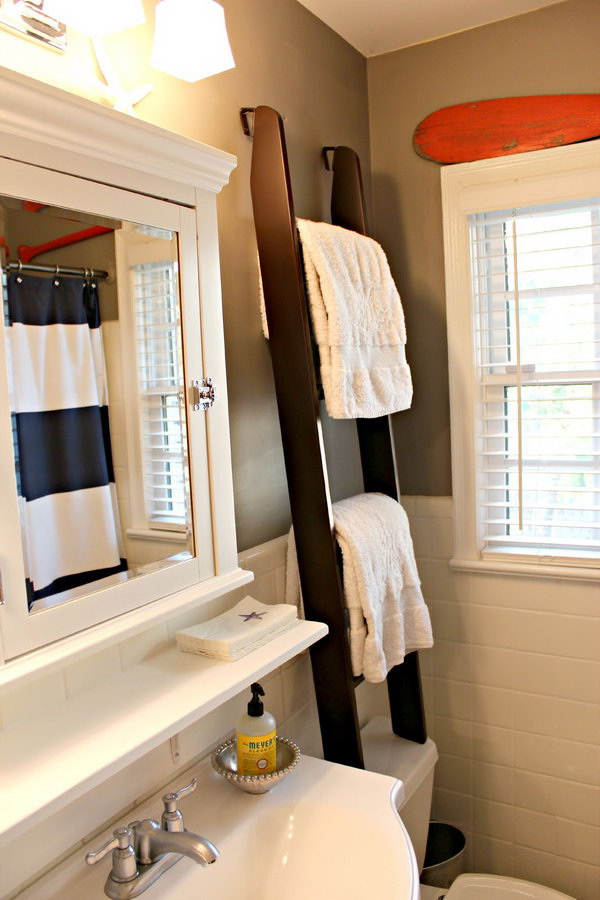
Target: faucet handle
[124,862]
[171,819]
[120,840]
[180,794]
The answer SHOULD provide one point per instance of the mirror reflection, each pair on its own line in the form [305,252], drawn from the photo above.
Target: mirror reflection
[93,334]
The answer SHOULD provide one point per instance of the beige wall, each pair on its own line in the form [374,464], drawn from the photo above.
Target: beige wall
[285,58]
[553,50]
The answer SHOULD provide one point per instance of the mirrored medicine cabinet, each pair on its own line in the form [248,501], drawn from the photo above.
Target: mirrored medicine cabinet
[115,486]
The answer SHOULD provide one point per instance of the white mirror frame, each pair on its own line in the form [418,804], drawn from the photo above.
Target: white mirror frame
[47,127]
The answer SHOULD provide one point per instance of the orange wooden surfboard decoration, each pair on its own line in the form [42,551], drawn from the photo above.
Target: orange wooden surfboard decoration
[485,128]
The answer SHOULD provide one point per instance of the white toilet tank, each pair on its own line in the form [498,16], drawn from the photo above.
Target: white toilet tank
[411,763]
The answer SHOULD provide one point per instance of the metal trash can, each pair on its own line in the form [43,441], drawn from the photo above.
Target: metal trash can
[444,855]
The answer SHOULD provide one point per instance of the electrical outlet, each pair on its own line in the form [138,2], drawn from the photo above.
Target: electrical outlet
[175,751]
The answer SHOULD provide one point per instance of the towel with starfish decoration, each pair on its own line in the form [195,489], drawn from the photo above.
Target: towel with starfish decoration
[233,634]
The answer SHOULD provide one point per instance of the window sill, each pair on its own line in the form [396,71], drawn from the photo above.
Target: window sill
[158,534]
[555,571]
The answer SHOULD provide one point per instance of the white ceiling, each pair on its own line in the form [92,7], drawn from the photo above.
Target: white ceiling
[378,26]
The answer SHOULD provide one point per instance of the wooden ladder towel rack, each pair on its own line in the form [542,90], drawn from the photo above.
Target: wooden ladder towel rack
[292,354]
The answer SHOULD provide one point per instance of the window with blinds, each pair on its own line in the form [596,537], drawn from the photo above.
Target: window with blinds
[160,380]
[536,290]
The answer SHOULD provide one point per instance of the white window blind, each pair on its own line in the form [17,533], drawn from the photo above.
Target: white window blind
[536,290]
[160,383]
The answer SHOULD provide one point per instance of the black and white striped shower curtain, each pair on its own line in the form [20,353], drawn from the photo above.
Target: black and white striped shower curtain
[69,515]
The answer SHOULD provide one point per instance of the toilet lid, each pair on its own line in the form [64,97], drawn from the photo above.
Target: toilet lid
[496,887]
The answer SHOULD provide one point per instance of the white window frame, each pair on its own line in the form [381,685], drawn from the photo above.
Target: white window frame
[527,179]
[132,248]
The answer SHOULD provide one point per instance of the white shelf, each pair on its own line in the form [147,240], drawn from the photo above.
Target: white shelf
[91,640]
[75,746]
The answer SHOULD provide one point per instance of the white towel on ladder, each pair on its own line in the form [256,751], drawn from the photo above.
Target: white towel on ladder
[388,615]
[358,322]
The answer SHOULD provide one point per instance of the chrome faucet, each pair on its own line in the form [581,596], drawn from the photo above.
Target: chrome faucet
[145,849]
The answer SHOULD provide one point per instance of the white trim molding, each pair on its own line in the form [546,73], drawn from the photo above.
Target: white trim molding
[526,179]
[75,135]
[496,566]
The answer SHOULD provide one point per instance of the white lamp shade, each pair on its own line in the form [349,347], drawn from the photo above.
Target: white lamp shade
[97,17]
[190,39]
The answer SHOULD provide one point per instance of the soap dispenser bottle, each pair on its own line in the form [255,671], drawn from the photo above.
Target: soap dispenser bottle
[256,737]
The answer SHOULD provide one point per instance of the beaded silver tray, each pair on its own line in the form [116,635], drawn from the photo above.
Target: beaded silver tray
[224,761]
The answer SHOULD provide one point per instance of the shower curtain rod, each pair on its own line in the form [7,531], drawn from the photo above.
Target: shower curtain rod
[16,266]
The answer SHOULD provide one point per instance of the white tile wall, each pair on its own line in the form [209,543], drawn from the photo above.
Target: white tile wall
[512,689]
[289,695]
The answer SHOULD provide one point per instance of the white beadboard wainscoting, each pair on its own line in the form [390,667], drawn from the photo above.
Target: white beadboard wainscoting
[512,688]
[289,696]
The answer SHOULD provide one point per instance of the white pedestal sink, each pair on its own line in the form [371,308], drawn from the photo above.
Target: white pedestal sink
[326,832]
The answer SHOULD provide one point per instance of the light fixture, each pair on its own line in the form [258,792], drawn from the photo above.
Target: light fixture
[29,19]
[97,18]
[190,39]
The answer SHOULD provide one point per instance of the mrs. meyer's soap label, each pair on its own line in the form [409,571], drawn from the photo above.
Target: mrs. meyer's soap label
[256,755]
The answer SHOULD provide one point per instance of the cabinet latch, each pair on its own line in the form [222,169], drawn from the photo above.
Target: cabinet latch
[203,393]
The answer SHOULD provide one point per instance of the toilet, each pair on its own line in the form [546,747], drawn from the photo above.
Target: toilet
[414,764]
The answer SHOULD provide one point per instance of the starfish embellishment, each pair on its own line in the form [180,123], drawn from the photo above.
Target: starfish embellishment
[111,88]
[253,615]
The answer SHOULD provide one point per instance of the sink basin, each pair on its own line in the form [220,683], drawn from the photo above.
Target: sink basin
[326,832]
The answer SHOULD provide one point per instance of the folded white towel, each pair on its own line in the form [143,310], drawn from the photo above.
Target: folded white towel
[388,615]
[233,634]
[358,322]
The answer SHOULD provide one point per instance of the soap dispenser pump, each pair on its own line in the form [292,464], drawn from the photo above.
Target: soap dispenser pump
[256,737]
